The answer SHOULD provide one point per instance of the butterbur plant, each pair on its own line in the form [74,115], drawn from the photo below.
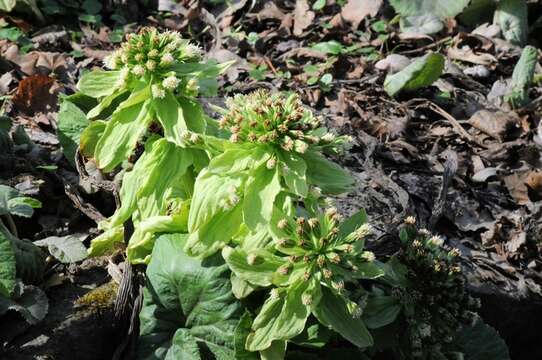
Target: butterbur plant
[276,147]
[152,79]
[311,268]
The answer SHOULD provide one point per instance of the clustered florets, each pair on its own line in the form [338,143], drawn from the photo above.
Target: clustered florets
[320,249]
[265,118]
[437,292]
[151,53]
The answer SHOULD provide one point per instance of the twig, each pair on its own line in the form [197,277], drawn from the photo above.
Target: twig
[426,47]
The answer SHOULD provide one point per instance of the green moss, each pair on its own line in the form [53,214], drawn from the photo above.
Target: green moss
[100,299]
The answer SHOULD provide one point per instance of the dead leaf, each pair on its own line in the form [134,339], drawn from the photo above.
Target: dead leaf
[39,62]
[356,10]
[515,183]
[472,48]
[393,63]
[270,11]
[498,124]
[37,93]
[303,17]
[534,182]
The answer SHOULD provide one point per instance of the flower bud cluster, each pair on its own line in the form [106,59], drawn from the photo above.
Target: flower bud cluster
[150,54]
[320,249]
[272,118]
[436,292]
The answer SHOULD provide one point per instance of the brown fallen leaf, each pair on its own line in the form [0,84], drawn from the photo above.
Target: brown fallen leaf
[472,48]
[269,11]
[500,125]
[356,10]
[534,182]
[39,62]
[36,93]
[515,183]
[303,17]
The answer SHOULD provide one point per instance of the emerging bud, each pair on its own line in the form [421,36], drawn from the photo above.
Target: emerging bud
[157,92]
[410,220]
[150,65]
[327,273]
[138,70]
[313,222]
[321,260]
[301,146]
[271,163]
[330,212]
[328,137]
[170,83]
[306,299]
[454,252]
[368,256]
[436,240]
[282,224]
[363,231]
[274,294]
[166,59]
[284,270]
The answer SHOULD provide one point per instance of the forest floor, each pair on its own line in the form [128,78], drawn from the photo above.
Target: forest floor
[454,154]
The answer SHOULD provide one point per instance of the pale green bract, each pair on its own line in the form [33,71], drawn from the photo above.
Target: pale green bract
[308,266]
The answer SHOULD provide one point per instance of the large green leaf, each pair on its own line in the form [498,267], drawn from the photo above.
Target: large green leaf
[71,123]
[420,73]
[90,137]
[67,249]
[332,311]
[481,342]
[259,272]
[98,83]
[121,135]
[7,266]
[188,308]
[11,202]
[511,16]
[327,175]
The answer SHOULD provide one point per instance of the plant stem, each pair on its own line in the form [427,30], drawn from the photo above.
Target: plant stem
[11,225]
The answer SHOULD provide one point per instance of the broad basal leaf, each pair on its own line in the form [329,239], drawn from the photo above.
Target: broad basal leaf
[482,342]
[420,73]
[188,308]
[29,301]
[260,194]
[7,266]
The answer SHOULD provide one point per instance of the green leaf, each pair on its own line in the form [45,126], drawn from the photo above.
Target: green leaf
[67,249]
[352,223]
[314,336]
[426,16]
[280,318]
[30,260]
[29,301]
[482,342]
[11,202]
[381,310]
[420,73]
[7,266]
[188,307]
[98,83]
[260,194]
[7,5]
[522,77]
[121,135]
[260,272]
[276,351]
[328,176]
[71,123]
[332,312]
[319,5]
[295,177]
[511,16]
[90,137]
[106,241]
[332,47]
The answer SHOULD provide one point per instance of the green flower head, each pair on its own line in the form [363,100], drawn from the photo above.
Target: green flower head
[152,55]
[309,269]
[273,118]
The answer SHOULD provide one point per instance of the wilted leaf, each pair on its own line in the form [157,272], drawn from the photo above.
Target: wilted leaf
[302,17]
[36,93]
[420,73]
[356,10]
